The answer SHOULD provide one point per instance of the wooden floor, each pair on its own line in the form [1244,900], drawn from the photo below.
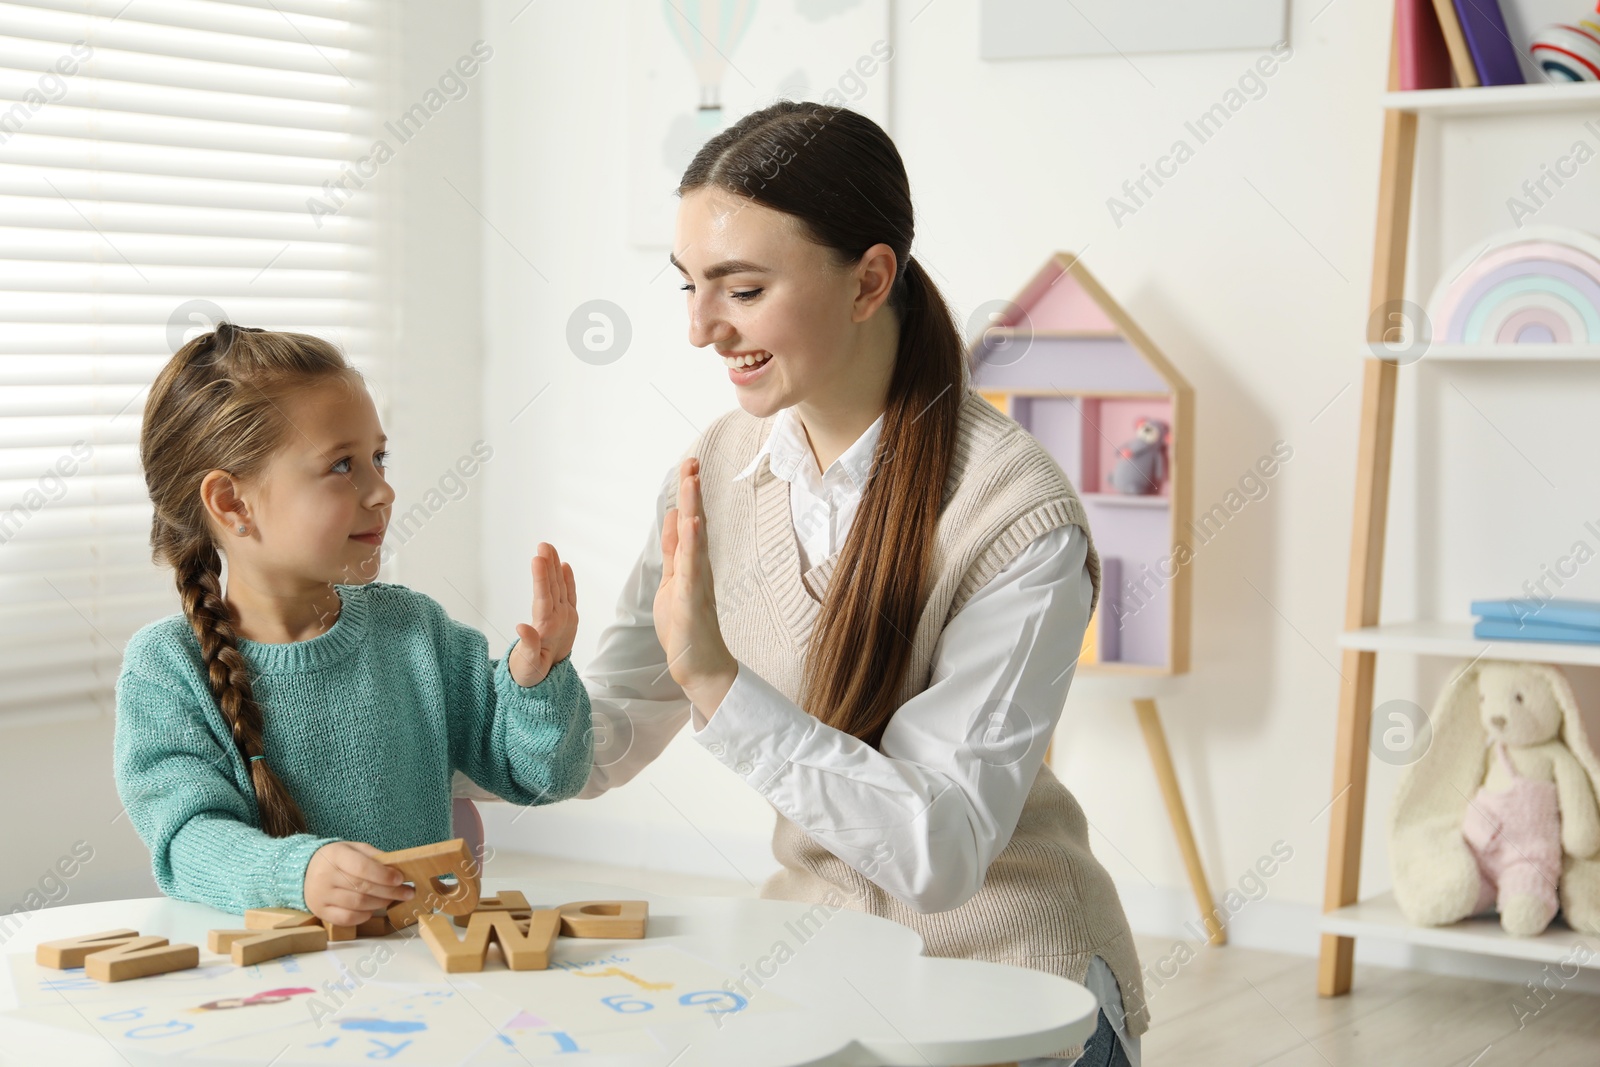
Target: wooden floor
[1245,1006]
[1240,1007]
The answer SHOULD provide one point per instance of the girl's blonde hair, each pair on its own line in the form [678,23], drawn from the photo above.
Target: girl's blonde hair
[217,405]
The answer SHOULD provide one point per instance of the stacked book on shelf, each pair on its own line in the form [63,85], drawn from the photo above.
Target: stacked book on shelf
[1520,619]
[1467,37]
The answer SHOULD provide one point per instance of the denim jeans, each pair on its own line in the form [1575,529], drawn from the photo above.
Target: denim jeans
[1103,1049]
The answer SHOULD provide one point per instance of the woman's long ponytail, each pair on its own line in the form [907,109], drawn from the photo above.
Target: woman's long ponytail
[876,593]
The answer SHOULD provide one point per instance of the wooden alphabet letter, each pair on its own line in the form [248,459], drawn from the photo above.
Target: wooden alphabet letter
[422,866]
[525,947]
[221,941]
[140,958]
[69,952]
[511,901]
[604,918]
[264,945]
[277,918]
[376,926]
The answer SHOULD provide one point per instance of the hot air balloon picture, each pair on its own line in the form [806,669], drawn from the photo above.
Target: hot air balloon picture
[695,67]
[708,31]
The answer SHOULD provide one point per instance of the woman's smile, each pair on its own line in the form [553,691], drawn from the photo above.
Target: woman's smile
[745,359]
[745,367]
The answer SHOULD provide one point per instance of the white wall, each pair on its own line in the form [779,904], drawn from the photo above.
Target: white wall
[434,378]
[1250,268]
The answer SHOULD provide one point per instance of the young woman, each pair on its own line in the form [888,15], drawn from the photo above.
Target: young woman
[869,587]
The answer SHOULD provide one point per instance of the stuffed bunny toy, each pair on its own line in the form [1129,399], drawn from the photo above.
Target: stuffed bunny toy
[1536,800]
[1501,810]
[1142,465]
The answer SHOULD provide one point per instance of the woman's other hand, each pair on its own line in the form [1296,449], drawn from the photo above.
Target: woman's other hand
[686,603]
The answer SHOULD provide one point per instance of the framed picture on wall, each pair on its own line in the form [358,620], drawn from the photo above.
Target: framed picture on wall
[1031,29]
[697,66]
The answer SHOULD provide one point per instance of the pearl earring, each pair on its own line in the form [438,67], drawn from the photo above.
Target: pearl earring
[241,529]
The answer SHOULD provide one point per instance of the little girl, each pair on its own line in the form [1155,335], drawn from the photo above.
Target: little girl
[274,737]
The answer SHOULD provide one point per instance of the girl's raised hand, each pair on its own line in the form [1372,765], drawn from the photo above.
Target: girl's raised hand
[549,639]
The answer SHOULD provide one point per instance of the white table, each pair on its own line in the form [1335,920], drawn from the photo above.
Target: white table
[825,987]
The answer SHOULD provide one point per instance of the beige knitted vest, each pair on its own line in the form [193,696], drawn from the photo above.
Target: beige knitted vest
[1046,902]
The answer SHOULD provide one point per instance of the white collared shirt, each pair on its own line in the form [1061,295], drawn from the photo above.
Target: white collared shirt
[822,504]
[950,810]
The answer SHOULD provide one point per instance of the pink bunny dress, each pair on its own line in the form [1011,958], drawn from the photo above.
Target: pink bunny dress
[1516,837]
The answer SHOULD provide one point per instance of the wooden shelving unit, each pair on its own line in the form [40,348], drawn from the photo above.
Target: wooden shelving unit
[1455,640]
[1379,916]
[1345,916]
[1456,353]
[1494,99]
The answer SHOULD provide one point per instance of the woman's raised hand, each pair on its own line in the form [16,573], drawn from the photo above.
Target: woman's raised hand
[548,640]
[686,603]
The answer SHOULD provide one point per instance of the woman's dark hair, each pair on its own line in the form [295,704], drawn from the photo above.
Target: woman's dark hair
[839,175]
[217,405]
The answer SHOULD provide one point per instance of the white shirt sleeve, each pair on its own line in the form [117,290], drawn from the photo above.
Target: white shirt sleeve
[635,706]
[925,815]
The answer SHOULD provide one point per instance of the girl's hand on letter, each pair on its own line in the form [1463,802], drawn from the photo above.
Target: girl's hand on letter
[345,885]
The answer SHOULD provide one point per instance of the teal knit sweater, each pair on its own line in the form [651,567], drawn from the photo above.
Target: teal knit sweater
[365,725]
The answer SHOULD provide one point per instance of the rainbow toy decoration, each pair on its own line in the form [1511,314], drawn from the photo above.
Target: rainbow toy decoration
[1536,285]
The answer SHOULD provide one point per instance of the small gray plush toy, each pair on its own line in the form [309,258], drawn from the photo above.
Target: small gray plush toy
[1143,463]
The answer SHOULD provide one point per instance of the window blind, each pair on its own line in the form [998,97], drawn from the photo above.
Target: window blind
[162,163]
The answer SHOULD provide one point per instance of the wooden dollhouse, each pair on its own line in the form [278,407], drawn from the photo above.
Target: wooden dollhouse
[1068,363]
[1073,369]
